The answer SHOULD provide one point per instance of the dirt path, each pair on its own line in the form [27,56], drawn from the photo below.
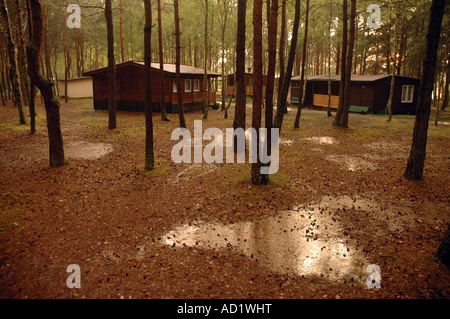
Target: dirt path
[337,204]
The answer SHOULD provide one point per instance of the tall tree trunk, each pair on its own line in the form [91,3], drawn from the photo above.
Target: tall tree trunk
[329,60]
[437,98]
[67,61]
[272,44]
[32,106]
[338,59]
[56,148]
[3,70]
[388,109]
[111,66]
[177,67]
[348,63]
[257,178]
[343,68]
[149,154]
[161,65]
[205,74]
[302,77]
[416,160]
[282,109]
[240,102]
[281,52]
[21,54]
[14,78]
[122,53]
[447,85]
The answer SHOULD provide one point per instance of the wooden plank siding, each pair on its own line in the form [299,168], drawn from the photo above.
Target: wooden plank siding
[130,89]
[367,91]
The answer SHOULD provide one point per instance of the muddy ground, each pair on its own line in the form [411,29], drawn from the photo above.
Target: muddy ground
[338,204]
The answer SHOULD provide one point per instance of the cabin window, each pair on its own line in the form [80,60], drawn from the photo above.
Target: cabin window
[187,86]
[174,87]
[196,85]
[407,93]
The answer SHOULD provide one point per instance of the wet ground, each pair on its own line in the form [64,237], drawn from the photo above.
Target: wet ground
[304,241]
[337,205]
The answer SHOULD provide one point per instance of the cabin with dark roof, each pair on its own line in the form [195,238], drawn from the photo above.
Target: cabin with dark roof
[130,90]
[369,93]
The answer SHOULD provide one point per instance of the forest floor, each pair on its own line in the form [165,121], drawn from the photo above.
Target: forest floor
[338,204]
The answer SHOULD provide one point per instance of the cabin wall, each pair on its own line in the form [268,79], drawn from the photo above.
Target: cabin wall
[400,107]
[130,89]
[77,88]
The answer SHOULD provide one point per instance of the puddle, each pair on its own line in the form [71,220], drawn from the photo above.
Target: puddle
[285,141]
[86,151]
[27,154]
[352,164]
[304,241]
[194,171]
[322,139]
[392,147]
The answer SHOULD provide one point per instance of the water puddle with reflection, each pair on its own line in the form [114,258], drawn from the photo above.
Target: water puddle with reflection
[322,139]
[351,163]
[303,241]
[86,151]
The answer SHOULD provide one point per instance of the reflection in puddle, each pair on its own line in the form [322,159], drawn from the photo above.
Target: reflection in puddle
[194,171]
[322,139]
[352,163]
[87,151]
[304,241]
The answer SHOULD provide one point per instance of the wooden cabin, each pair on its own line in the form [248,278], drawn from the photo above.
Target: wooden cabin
[131,93]
[248,84]
[78,88]
[369,93]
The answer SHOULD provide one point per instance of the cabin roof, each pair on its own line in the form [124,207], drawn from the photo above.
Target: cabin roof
[168,68]
[354,78]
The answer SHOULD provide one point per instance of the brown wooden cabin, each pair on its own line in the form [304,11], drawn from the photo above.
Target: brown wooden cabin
[131,93]
[248,84]
[370,91]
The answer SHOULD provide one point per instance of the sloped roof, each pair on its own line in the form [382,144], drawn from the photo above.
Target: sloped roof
[354,78]
[168,68]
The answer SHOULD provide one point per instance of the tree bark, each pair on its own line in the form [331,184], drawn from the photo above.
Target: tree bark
[281,52]
[56,148]
[447,85]
[302,77]
[111,66]
[161,65]
[257,178]
[149,154]
[343,68]
[21,55]
[282,109]
[240,102]
[272,52]
[32,106]
[122,53]
[205,74]
[14,78]
[177,67]
[348,63]
[329,60]
[416,160]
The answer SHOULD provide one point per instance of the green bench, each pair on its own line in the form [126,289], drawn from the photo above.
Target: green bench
[294,100]
[359,109]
